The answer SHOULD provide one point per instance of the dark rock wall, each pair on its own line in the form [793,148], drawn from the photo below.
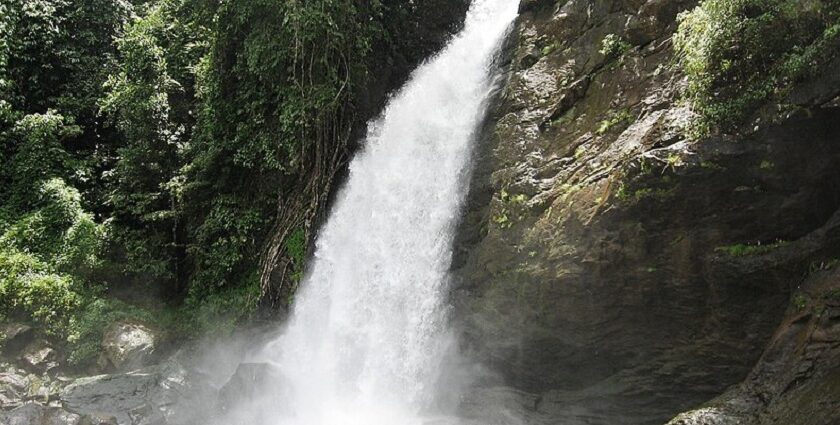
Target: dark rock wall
[597,262]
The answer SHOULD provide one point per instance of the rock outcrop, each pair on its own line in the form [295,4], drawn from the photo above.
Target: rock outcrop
[797,379]
[610,269]
[14,336]
[127,345]
[167,394]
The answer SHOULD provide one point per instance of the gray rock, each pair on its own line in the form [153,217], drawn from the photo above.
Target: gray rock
[14,336]
[13,387]
[129,345]
[115,395]
[17,387]
[706,416]
[36,414]
[99,419]
[250,381]
[164,394]
[39,356]
[254,394]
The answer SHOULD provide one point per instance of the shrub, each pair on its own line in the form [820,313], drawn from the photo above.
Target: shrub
[59,232]
[218,311]
[738,54]
[615,119]
[613,46]
[29,288]
[33,152]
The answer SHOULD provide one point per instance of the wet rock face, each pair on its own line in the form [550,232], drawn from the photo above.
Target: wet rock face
[797,379]
[256,393]
[606,265]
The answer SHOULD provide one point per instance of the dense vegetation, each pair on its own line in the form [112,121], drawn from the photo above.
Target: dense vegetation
[179,147]
[185,147]
[738,54]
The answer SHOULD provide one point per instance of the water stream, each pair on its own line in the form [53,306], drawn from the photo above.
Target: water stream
[368,332]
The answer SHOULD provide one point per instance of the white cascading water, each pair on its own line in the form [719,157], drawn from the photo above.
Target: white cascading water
[368,333]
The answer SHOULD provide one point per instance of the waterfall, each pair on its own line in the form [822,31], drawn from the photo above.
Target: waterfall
[368,331]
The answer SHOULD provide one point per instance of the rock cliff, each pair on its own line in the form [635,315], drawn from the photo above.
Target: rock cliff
[613,270]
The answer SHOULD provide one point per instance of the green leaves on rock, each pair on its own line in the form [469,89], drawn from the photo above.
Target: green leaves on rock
[739,54]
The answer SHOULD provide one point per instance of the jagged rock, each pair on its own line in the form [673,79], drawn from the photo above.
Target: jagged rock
[706,416]
[167,394]
[123,396]
[653,18]
[129,345]
[17,387]
[36,414]
[14,336]
[603,291]
[98,419]
[14,385]
[797,379]
[39,356]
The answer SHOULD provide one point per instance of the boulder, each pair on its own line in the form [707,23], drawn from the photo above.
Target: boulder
[39,356]
[250,381]
[165,394]
[254,394]
[36,414]
[129,345]
[113,395]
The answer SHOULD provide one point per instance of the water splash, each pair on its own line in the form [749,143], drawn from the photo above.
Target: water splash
[368,333]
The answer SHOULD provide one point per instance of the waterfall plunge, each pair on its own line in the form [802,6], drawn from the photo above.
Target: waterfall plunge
[368,333]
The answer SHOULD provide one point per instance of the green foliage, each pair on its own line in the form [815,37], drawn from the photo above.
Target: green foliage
[738,54]
[58,52]
[224,243]
[296,249]
[623,194]
[280,72]
[42,259]
[613,46]
[30,288]
[550,48]
[219,312]
[817,266]
[151,100]
[33,151]
[274,99]
[742,250]
[615,119]
[45,256]
[59,231]
[157,140]
[510,206]
[800,302]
